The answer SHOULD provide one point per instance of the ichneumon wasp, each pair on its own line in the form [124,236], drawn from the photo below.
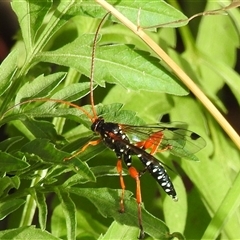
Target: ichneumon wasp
[140,141]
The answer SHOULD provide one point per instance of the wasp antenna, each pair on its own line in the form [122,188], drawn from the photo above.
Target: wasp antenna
[92,67]
[49,100]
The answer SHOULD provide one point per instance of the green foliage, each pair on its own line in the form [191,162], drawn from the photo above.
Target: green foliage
[42,196]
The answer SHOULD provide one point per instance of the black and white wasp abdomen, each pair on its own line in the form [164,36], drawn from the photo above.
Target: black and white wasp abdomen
[157,170]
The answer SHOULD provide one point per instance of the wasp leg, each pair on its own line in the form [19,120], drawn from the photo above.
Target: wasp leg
[90,143]
[134,174]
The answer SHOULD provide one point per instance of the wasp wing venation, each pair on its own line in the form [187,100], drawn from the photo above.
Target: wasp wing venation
[183,142]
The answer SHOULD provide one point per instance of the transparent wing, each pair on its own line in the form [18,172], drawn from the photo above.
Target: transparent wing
[179,141]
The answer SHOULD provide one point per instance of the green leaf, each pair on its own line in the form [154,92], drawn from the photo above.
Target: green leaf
[26,233]
[77,179]
[42,208]
[107,202]
[10,163]
[196,208]
[49,154]
[144,103]
[30,16]
[7,70]
[69,210]
[42,129]
[227,74]
[40,87]
[69,93]
[54,172]
[151,13]
[225,213]
[88,227]
[8,207]
[7,183]
[6,144]
[46,151]
[121,63]
[224,52]
[59,17]
[115,113]
[119,231]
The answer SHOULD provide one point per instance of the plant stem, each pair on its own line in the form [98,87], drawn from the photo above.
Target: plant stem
[177,70]
[30,205]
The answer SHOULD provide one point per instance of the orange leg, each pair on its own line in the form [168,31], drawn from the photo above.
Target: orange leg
[92,143]
[134,174]
[119,169]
